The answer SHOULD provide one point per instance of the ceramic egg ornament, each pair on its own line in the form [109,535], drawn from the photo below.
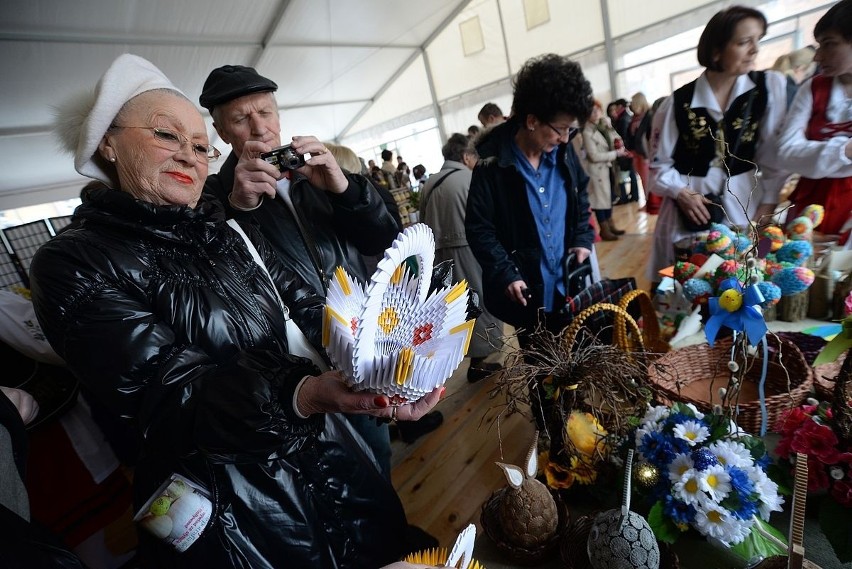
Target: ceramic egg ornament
[527,511]
[621,539]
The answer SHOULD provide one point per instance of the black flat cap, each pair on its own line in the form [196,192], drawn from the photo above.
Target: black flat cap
[228,82]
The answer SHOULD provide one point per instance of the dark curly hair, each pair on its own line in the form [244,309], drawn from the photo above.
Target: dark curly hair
[551,84]
[719,31]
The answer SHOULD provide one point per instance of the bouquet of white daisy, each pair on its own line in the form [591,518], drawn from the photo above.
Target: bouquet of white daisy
[703,472]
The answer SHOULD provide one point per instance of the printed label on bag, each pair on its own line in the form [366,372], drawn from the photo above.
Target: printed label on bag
[176,513]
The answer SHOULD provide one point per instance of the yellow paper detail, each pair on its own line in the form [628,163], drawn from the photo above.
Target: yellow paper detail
[388,319]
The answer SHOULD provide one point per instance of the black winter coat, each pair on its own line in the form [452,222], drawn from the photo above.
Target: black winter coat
[163,314]
[501,229]
[342,227]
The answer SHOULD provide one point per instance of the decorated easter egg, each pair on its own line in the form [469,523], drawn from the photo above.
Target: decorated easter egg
[697,290]
[775,235]
[814,212]
[800,229]
[627,542]
[771,293]
[684,270]
[792,280]
[795,252]
[719,243]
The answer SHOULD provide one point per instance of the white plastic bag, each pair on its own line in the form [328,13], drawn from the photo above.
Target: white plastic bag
[20,329]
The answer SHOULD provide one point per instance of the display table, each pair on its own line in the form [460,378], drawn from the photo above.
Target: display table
[693,551]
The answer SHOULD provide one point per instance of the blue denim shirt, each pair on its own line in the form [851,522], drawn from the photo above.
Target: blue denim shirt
[549,205]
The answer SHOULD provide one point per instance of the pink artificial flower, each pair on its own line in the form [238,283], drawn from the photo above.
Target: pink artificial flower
[847,305]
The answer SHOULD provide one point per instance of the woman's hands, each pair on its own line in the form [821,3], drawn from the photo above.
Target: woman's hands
[693,205]
[329,393]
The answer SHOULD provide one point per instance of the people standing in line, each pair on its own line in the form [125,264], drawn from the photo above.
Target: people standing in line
[443,202]
[797,66]
[177,321]
[315,219]
[490,115]
[528,209]
[388,169]
[621,123]
[600,151]
[816,140]
[714,133]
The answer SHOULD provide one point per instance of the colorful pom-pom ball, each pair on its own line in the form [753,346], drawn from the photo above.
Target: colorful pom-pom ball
[684,270]
[742,243]
[775,235]
[792,280]
[723,229]
[771,293]
[814,212]
[800,229]
[796,252]
[728,269]
[718,243]
[697,290]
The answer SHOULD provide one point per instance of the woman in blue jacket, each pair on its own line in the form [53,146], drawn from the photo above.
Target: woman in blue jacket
[528,209]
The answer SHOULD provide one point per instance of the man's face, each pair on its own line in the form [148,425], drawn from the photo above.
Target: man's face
[252,117]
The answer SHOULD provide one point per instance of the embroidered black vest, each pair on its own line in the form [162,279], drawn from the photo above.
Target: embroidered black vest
[699,133]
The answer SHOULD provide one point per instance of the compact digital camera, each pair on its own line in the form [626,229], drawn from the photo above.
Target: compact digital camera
[284,158]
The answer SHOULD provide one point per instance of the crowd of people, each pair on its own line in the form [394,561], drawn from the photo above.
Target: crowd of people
[176,320]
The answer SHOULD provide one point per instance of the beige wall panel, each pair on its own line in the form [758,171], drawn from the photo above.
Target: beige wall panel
[573,26]
[455,73]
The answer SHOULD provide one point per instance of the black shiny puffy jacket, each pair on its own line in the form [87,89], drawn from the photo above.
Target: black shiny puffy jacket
[164,316]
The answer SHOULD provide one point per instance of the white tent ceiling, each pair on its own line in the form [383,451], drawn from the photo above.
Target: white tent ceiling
[346,69]
[330,58]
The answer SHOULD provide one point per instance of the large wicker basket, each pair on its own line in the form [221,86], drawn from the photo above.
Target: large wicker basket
[694,375]
[652,339]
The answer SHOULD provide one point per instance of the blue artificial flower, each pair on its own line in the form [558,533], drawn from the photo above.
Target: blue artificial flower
[764,461]
[741,484]
[738,501]
[679,512]
[703,458]
[657,448]
[736,308]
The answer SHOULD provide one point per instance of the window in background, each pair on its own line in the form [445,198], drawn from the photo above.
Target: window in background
[21,215]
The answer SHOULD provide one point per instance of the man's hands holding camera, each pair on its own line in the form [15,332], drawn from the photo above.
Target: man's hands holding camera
[255,178]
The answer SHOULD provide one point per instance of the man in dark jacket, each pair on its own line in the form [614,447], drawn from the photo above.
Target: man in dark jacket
[317,218]
[621,118]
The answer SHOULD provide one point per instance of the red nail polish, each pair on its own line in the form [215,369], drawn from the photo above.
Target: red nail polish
[380,401]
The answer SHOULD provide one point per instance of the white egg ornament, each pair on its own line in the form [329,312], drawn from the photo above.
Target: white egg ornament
[621,539]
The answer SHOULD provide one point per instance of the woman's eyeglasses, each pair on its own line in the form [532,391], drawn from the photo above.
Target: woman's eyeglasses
[569,132]
[174,141]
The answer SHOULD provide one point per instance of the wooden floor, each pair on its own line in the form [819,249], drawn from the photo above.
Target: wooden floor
[444,478]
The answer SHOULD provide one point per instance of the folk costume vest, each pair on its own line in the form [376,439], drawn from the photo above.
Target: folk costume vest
[704,142]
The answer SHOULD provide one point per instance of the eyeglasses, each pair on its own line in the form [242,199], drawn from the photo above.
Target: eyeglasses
[568,132]
[174,141]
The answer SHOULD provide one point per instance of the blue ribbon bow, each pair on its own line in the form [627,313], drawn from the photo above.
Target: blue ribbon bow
[746,318]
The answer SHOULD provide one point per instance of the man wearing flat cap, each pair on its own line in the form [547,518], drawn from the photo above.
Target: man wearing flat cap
[316,217]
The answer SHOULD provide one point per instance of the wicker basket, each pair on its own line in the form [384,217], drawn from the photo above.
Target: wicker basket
[694,375]
[625,325]
[515,553]
[652,339]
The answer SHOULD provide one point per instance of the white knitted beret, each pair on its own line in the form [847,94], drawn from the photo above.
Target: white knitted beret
[82,121]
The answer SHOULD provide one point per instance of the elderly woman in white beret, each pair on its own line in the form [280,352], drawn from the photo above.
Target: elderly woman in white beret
[158,307]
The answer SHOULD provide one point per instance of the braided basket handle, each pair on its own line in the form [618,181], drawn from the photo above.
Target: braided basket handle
[569,335]
[650,324]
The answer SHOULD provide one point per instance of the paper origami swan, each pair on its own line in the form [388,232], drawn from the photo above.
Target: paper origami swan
[394,338]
